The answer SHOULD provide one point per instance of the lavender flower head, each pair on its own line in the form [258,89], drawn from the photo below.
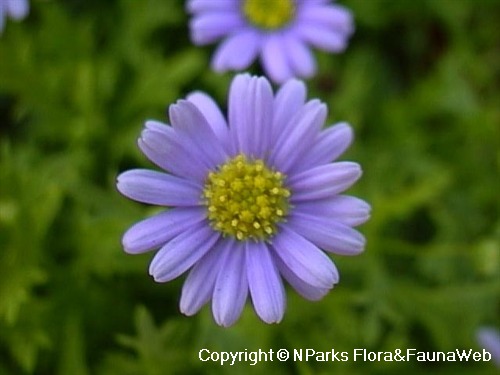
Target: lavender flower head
[15,9]
[280,32]
[253,199]
[489,339]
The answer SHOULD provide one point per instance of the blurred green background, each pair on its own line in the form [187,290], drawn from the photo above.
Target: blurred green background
[420,85]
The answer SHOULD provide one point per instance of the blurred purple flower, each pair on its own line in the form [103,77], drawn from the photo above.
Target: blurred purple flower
[253,199]
[16,9]
[279,31]
[489,339]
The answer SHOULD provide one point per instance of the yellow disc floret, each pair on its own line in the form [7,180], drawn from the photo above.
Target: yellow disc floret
[269,14]
[245,199]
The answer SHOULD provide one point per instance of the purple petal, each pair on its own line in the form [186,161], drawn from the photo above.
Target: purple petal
[345,209]
[300,57]
[335,18]
[304,259]
[289,99]
[323,181]
[192,126]
[303,130]
[334,237]
[17,9]
[164,148]
[321,37]
[209,27]
[237,51]
[157,230]
[274,59]
[209,108]
[329,145]
[266,287]
[178,255]
[307,291]
[251,116]
[231,287]
[489,339]
[158,188]
[199,285]
[201,6]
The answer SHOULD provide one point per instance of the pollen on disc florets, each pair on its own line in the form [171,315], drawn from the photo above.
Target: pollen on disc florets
[245,199]
[269,14]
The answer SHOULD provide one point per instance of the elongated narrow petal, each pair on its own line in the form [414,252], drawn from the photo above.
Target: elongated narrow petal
[157,230]
[212,26]
[251,122]
[231,287]
[199,285]
[274,59]
[167,151]
[300,57]
[337,238]
[324,181]
[266,288]
[236,52]
[345,209]
[304,259]
[289,99]
[306,290]
[158,188]
[292,145]
[215,119]
[329,145]
[182,252]
[192,126]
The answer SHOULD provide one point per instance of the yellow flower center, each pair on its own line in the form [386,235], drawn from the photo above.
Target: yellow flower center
[245,199]
[269,14]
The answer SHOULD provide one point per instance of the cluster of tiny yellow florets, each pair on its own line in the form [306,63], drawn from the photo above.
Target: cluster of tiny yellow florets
[245,199]
[269,14]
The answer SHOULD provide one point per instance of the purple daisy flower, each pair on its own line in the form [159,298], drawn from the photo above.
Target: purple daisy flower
[489,339]
[16,9]
[279,31]
[252,199]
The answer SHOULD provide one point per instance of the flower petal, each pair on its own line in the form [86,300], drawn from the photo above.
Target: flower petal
[209,27]
[289,99]
[158,188]
[323,181]
[306,290]
[179,254]
[303,130]
[266,287]
[329,145]
[192,126]
[237,51]
[274,59]
[231,287]
[195,6]
[304,259]
[322,37]
[17,9]
[207,106]
[345,209]
[335,18]
[199,285]
[250,115]
[300,57]
[155,231]
[334,237]
[163,147]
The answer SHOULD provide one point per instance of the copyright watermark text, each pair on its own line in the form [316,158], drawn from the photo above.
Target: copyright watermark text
[358,355]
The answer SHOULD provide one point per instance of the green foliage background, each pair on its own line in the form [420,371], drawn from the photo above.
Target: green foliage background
[420,85]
